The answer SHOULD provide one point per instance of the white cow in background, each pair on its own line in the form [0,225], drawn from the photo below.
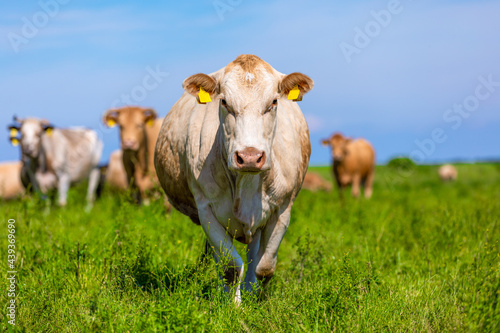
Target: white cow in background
[55,158]
[447,173]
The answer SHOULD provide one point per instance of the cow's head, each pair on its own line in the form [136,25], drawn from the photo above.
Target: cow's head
[338,143]
[132,121]
[28,133]
[248,92]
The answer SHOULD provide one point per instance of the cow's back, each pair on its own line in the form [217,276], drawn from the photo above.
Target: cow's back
[115,174]
[447,172]
[10,180]
[75,151]
[314,182]
[360,157]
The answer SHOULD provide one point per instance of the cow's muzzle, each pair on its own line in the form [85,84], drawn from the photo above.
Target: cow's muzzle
[130,145]
[338,158]
[30,151]
[250,160]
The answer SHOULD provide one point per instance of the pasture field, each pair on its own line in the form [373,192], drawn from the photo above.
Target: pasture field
[421,255]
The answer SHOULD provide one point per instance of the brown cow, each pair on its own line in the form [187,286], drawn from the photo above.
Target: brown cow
[11,186]
[235,161]
[353,163]
[139,128]
[314,182]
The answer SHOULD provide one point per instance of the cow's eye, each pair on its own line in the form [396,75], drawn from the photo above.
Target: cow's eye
[224,103]
[272,106]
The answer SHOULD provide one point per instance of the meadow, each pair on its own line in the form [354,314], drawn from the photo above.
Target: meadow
[420,255]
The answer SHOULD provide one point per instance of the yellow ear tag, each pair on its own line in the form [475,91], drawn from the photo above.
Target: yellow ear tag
[13,132]
[14,141]
[203,96]
[294,93]
[48,131]
[111,123]
[150,122]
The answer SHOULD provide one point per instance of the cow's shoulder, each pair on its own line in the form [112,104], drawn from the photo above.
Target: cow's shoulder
[291,153]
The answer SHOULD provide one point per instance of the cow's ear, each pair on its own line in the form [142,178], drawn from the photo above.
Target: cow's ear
[14,141]
[201,86]
[149,116]
[110,118]
[48,129]
[325,142]
[294,86]
[13,131]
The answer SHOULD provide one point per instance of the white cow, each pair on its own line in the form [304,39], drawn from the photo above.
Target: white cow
[236,164]
[447,173]
[56,158]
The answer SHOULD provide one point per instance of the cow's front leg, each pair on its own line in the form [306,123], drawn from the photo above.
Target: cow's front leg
[145,185]
[62,188]
[252,260]
[369,184]
[356,183]
[263,263]
[224,252]
[94,178]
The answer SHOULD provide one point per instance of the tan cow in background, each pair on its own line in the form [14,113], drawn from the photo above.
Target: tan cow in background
[11,186]
[314,182]
[448,173]
[115,174]
[353,163]
[235,162]
[139,128]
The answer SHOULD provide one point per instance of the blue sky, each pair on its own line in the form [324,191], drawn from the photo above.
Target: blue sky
[408,65]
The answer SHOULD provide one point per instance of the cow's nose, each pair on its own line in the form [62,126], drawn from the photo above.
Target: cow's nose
[250,159]
[129,144]
[28,149]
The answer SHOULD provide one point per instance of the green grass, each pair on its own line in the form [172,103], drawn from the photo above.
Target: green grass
[421,255]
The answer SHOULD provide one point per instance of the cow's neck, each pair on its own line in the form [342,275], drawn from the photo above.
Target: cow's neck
[39,163]
[247,192]
[34,165]
[141,157]
[337,166]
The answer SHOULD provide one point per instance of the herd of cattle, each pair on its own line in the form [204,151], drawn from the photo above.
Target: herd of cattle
[232,154]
